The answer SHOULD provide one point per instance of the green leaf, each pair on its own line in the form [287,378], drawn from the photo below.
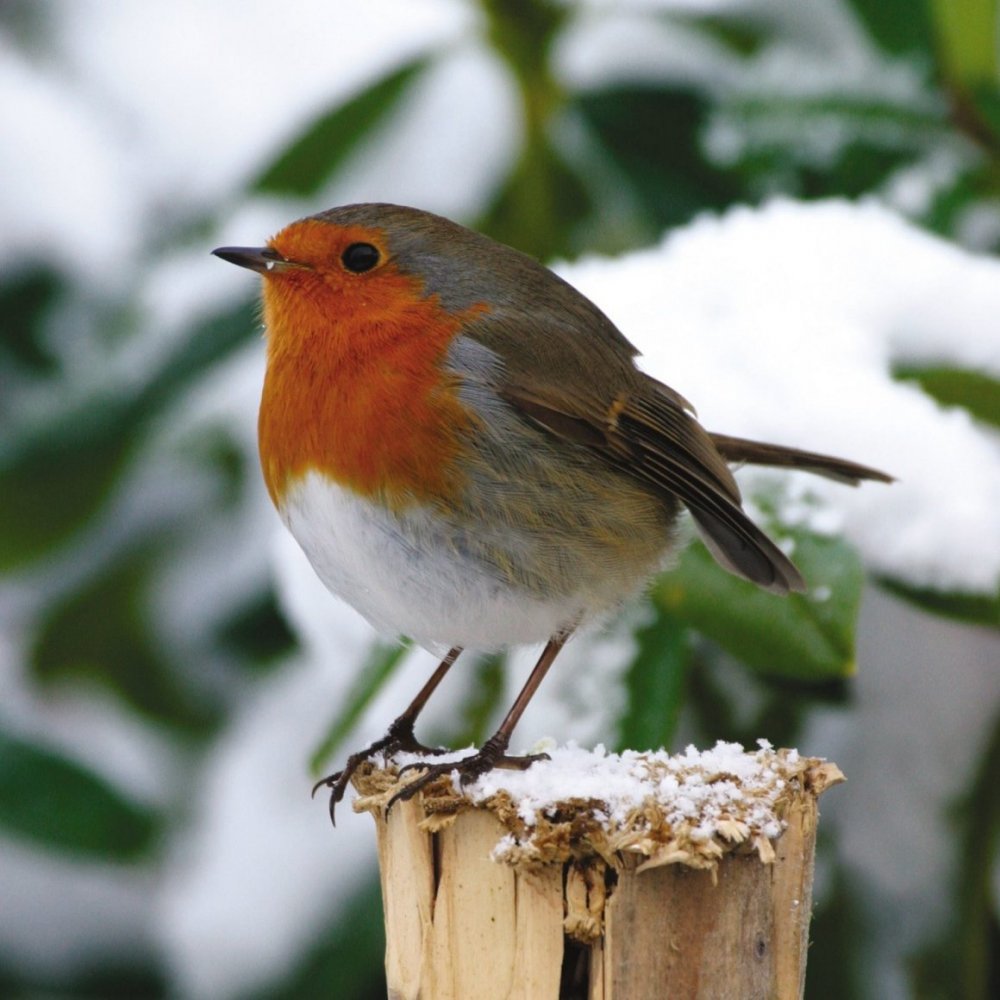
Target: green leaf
[59,804]
[985,100]
[806,637]
[305,165]
[966,35]
[208,343]
[653,137]
[861,166]
[257,633]
[784,143]
[725,701]
[213,449]
[899,26]
[540,206]
[839,937]
[976,930]
[740,31]
[55,477]
[378,668]
[346,961]
[101,632]
[103,974]
[975,391]
[52,481]
[655,683]
[25,301]
[977,609]
[486,688]
[523,34]
[858,166]
[949,207]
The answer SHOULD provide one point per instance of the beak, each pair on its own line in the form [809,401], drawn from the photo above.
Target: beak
[260,259]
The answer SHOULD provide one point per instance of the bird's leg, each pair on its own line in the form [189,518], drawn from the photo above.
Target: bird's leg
[400,736]
[493,751]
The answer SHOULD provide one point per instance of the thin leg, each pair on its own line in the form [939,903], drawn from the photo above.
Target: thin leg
[403,726]
[493,751]
[400,736]
[502,736]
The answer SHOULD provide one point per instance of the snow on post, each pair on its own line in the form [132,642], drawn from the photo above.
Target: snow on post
[606,876]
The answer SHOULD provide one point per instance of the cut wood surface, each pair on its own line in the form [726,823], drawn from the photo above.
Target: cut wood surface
[692,879]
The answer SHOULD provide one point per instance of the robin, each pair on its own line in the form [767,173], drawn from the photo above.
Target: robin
[464,448]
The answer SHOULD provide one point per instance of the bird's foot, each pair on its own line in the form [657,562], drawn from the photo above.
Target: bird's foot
[399,738]
[490,755]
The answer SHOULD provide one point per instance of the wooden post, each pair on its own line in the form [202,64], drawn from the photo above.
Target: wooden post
[690,877]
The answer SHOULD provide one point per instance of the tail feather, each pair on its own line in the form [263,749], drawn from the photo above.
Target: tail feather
[735,449]
[736,542]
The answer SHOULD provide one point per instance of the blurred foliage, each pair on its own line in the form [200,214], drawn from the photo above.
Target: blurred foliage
[341,961]
[601,168]
[58,473]
[381,662]
[655,683]
[308,163]
[58,803]
[806,637]
[975,392]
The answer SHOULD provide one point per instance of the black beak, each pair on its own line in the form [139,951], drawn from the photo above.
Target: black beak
[260,259]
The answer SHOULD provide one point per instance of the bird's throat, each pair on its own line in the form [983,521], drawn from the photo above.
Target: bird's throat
[357,391]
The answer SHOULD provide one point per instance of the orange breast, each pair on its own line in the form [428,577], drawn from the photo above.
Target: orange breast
[355,388]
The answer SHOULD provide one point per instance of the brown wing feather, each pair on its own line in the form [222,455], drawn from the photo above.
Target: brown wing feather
[655,441]
[575,377]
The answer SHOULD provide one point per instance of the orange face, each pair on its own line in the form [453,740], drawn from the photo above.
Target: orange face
[355,386]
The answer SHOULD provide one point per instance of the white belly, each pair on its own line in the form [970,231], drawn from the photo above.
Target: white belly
[406,574]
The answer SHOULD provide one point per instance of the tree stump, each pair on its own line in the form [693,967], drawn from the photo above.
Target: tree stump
[598,876]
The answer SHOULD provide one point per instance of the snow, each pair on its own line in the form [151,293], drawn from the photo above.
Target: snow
[784,323]
[624,782]
[41,208]
[683,808]
[149,134]
[216,95]
[259,871]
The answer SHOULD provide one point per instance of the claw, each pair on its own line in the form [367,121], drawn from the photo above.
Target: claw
[330,781]
[399,737]
[337,783]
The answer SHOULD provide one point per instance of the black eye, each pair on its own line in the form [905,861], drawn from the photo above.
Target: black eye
[359,257]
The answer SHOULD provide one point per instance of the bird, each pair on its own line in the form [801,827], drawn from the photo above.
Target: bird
[466,451]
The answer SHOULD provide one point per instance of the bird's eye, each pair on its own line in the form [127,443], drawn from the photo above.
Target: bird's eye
[360,257]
